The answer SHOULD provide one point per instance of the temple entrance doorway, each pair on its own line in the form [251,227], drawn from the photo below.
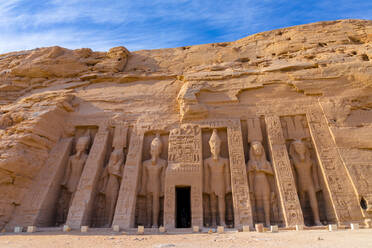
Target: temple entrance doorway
[183,207]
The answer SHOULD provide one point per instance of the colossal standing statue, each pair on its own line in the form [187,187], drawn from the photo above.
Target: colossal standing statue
[76,164]
[306,176]
[153,174]
[217,179]
[111,182]
[258,169]
[71,178]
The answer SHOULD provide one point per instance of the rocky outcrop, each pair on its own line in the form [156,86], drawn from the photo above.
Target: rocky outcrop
[329,63]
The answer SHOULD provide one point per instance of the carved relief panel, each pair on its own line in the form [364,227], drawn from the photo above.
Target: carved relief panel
[242,211]
[260,173]
[109,182]
[312,193]
[346,204]
[217,195]
[290,205]
[184,173]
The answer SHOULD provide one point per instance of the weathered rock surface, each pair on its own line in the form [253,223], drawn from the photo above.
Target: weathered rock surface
[43,91]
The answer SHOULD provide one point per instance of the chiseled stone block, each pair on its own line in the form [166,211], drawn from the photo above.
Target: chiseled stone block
[299,227]
[220,229]
[66,228]
[140,230]
[116,228]
[84,229]
[332,227]
[354,226]
[274,229]
[246,229]
[31,229]
[259,227]
[18,229]
[195,229]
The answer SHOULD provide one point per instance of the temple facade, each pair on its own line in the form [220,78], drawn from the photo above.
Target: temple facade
[278,167]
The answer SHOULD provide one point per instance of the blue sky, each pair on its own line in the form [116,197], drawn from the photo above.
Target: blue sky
[140,24]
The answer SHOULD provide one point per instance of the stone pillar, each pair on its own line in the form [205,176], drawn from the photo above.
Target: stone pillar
[285,181]
[82,201]
[39,203]
[239,181]
[339,185]
[126,203]
[185,166]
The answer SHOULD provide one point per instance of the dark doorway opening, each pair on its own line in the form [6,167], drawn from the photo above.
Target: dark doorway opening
[363,204]
[183,207]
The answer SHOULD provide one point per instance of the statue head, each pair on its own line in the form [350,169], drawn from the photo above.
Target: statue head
[215,144]
[257,148]
[156,147]
[116,155]
[82,143]
[298,147]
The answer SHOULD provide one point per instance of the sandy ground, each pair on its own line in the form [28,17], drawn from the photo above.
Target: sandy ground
[284,239]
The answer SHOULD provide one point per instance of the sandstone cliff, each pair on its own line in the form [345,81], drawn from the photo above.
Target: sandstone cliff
[326,62]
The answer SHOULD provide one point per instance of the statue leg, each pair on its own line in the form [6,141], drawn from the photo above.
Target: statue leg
[148,210]
[302,198]
[266,205]
[214,209]
[155,210]
[111,206]
[222,209]
[314,206]
[107,210]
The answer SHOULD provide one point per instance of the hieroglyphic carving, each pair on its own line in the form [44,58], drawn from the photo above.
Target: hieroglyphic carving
[38,205]
[126,203]
[81,207]
[184,168]
[307,176]
[290,204]
[344,199]
[239,183]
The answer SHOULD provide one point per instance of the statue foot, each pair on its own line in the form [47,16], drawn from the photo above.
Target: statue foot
[318,223]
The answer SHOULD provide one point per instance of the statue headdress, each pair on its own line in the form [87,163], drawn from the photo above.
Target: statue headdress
[85,138]
[215,139]
[157,142]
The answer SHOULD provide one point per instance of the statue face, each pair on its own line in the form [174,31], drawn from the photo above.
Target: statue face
[300,149]
[115,155]
[155,150]
[257,149]
[81,145]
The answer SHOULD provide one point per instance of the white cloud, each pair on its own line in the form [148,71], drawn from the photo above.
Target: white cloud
[139,24]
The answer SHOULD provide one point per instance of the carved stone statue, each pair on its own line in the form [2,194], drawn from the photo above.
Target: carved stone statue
[307,177]
[111,182]
[153,173]
[217,179]
[258,169]
[76,164]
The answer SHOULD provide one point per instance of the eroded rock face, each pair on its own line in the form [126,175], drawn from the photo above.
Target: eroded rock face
[309,84]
